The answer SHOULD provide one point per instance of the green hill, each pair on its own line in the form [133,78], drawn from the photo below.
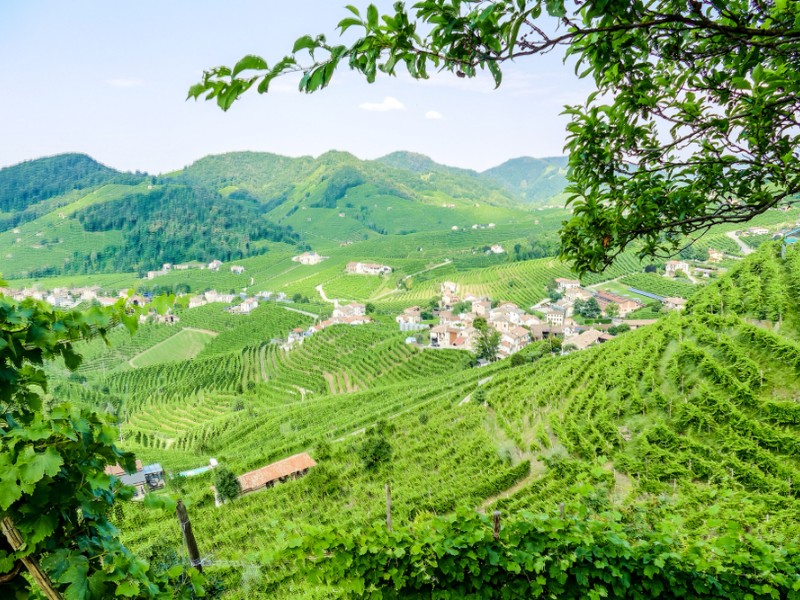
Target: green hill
[25,187]
[92,219]
[691,423]
[532,180]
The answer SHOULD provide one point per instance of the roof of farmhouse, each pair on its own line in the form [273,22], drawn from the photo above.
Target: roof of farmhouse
[282,468]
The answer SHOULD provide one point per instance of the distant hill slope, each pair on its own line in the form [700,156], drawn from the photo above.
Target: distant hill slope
[690,425]
[26,185]
[532,180]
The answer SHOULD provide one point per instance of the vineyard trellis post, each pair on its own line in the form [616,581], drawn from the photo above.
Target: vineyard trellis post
[388,508]
[31,563]
[496,524]
[188,536]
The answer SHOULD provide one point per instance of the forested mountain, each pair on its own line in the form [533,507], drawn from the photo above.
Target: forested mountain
[172,224]
[24,186]
[532,180]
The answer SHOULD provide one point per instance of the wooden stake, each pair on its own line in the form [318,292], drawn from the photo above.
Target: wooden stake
[188,536]
[39,576]
[388,508]
[496,518]
[561,509]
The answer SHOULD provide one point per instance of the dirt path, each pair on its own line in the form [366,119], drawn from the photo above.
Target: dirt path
[446,262]
[468,397]
[734,235]
[302,312]
[208,331]
[324,296]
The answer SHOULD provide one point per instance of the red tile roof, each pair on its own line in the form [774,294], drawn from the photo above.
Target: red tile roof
[288,466]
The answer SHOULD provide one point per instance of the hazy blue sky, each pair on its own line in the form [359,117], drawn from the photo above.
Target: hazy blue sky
[109,78]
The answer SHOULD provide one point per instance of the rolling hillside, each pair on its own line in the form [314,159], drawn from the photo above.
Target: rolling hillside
[534,181]
[64,215]
[691,422]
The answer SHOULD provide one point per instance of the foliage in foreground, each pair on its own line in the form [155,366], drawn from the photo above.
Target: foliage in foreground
[546,555]
[53,489]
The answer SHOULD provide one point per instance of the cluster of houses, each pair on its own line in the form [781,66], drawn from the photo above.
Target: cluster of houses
[558,313]
[354,313]
[63,297]
[247,305]
[214,265]
[516,327]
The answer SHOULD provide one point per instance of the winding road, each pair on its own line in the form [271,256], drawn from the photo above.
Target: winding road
[734,235]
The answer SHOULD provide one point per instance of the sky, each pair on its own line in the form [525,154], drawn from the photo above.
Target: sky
[110,79]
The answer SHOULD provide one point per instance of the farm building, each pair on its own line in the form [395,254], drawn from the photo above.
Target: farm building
[277,472]
[359,268]
[674,303]
[309,258]
[674,266]
[237,269]
[145,479]
[564,284]
[626,305]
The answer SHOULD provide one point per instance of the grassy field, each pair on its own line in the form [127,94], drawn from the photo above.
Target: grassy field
[185,344]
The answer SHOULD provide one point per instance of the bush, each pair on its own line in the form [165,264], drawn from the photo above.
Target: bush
[227,485]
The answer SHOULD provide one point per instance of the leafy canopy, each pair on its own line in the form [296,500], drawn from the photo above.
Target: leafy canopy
[53,488]
[693,123]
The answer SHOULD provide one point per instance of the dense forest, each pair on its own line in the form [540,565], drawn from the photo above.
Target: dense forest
[25,185]
[176,224]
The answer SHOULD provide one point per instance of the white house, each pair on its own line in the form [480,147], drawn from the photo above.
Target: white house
[214,265]
[237,269]
[359,268]
[565,284]
[309,258]
[672,267]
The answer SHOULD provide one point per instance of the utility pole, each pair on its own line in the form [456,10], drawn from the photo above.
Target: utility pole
[188,536]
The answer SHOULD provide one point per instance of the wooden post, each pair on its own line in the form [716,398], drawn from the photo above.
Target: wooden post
[188,536]
[496,519]
[388,508]
[39,576]
[561,509]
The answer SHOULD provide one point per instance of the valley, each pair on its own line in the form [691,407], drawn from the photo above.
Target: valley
[686,418]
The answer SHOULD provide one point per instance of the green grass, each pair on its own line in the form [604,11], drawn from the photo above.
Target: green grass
[185,344]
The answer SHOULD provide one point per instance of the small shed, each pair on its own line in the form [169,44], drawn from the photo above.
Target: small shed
[277,472]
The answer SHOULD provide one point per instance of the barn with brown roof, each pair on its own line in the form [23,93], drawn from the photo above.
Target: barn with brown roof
[265,477]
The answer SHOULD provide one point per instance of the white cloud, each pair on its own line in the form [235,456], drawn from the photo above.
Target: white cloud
[433,114]
[388,103]
[122,82]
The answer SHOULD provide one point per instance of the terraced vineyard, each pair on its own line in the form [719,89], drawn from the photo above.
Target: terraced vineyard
[694,417]
[660,286]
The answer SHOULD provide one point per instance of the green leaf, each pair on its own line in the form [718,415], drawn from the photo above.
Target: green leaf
[305,42]
[128,588]
[372,16]
[34,466]
[10,491]
[251,61]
